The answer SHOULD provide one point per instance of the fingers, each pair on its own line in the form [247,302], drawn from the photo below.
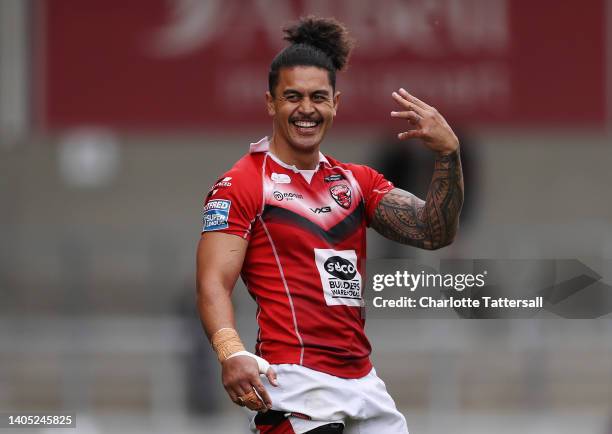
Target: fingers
[253,396]
[413,99]
[243,388]
[408,115]
[426,122]
[254,402]
[272,377]
[240,393]
[263,393]
[418,114]
[234,397]
[235,392]
[410,134]
[245,396]
[408,104]
[243,383]
[251,399]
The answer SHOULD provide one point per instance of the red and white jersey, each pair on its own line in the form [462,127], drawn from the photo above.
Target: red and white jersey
[305,259]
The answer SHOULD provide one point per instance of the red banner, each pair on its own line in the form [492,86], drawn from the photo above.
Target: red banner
[155,64]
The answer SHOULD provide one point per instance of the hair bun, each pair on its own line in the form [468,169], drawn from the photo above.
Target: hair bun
[326,34]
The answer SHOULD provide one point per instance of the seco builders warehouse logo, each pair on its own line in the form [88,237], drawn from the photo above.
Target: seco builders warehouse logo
[340,278]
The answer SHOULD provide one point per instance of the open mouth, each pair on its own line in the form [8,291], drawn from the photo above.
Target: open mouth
[305,126]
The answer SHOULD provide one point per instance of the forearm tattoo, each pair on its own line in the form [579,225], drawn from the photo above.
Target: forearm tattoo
[431,224]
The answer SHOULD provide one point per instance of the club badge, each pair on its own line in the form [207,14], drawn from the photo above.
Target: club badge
[342,195]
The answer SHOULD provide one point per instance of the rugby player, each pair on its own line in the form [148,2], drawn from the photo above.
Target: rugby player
[292,222]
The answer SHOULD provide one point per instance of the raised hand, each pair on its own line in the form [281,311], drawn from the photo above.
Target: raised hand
[425,123]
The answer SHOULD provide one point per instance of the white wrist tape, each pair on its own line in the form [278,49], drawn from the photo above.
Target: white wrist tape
[262,364]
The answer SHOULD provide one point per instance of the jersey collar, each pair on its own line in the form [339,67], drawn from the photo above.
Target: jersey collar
[263,145]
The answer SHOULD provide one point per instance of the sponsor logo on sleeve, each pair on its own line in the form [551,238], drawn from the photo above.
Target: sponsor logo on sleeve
[223,182]
[216,214]
[340,278]
[341,193]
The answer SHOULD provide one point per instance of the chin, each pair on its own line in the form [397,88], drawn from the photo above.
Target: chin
[306,145]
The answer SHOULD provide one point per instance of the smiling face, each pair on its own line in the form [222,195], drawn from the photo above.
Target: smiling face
[303,108]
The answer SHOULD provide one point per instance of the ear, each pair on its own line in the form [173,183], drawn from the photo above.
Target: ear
[336,102]
[270,104]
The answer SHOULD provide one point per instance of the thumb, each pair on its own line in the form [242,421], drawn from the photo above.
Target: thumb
[272,377]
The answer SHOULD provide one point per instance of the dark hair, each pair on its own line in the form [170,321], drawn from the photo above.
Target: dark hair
[321,42]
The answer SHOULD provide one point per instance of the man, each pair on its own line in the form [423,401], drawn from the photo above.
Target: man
[291,221]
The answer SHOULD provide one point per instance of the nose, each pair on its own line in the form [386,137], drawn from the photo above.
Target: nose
[306,106]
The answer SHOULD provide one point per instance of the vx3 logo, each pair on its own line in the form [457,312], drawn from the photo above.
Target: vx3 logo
[321,210]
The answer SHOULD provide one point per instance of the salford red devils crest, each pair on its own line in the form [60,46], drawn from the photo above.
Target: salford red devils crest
[342,195]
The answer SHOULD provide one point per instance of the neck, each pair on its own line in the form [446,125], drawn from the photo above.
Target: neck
[306,160]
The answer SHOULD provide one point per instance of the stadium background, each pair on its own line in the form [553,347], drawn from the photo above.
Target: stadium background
[116,117]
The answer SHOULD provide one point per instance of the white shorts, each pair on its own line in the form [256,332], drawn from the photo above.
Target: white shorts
[363,405]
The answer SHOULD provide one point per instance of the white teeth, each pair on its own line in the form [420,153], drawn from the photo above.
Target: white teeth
[305,124]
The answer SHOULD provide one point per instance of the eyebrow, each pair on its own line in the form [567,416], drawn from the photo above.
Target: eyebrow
[294,91]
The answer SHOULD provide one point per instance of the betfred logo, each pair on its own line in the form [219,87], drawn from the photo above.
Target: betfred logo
[216,215]
[340,278]
[341,193]
[220,204]
[340,268]
[223,182]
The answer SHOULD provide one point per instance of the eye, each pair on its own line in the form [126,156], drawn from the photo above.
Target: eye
[319,98]
[292,97]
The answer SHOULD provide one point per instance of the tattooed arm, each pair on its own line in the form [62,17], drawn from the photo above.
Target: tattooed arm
[403,217]
[431,224]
